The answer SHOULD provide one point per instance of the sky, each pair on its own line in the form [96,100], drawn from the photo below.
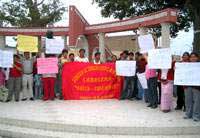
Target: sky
[92,14]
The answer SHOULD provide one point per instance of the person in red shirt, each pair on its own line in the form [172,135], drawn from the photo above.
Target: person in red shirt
[15,79]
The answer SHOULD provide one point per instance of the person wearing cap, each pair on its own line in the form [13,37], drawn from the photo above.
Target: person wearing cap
[81,57]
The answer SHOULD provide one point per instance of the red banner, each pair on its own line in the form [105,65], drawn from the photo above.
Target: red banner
[83,81]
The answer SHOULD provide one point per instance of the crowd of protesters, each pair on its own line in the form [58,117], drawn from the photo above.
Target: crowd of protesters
[23,80]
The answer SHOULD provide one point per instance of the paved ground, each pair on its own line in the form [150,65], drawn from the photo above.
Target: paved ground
[94,113]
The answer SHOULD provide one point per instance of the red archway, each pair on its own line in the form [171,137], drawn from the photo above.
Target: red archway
[78,25]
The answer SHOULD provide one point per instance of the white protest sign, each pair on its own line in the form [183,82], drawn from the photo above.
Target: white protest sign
[160,58]
[1,57]
[187,74]
[146,43]
[125,68]
[54,46]
[6,59]
[143,80]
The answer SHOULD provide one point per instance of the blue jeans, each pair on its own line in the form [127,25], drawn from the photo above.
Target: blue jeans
[192,102]
[140,90]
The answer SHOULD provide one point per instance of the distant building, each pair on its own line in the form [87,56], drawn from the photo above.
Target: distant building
[117,44]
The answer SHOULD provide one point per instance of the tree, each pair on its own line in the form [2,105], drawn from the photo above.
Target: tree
[30,13]
[188,15]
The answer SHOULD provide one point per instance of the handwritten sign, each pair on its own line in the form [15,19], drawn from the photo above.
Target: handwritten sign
[187,74]
[143,80]
[47,65]
[27,43]
[160,58]
[125,68]
[146,43]
[54,46]
[6,59]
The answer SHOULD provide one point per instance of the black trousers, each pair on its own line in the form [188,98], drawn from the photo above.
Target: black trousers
[128,88]
[159,92]
[153,92]
[180,97]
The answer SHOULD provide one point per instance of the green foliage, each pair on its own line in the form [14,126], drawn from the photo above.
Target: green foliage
[131,8]
[31,13]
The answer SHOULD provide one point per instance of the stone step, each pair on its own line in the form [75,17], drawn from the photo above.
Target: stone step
[7,131]
[100,130]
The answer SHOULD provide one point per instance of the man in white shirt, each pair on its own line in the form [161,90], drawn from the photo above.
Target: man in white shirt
[81,57]
[27,79]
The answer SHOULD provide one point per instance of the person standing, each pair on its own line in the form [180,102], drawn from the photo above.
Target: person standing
[49,85]
[97,57]
[37,79]
[167,78]
[15,79]
[27,78]
[2,77]
[128,86]
[131,56]
[71,57]
[63,58]
[151,77]
[81,57]
[180,89]
[141,64]
[134,91]
[192,96]
[113,58]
